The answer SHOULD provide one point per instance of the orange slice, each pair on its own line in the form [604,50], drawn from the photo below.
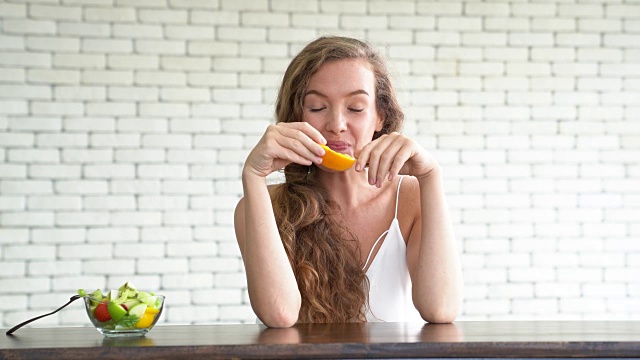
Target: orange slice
[335,160]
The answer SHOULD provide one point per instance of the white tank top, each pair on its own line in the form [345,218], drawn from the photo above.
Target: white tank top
[389,280]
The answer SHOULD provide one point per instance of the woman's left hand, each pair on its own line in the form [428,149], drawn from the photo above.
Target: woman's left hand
[394,154]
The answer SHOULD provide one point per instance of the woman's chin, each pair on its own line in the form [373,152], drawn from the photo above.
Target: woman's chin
[324,168]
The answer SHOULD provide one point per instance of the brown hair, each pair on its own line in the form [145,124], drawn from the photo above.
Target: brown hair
[324,254]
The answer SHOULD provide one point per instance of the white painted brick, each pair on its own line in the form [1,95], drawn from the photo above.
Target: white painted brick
[81,187]
[29,252]
[144,218]
[13,10]
[25,187]
[80,92]
[192,314]
[251,19]
[113,267]
[107,46]
[135,186]
[459,23]
[23,59]
[412,22]
[73,283]
[215,17]
[217,297]
[534,306]
[458,83]
[139,251]
[187,187]
[33,155]
[506,23]
[609,260]
[107,77]
[184,94]
[8,75]
[87,155]
[137,62]
[13,107]
[162,202]
[488,276]
[459,53]
[363,22]
[71,267]
[24,26]
[599,54]
[531,274]
[185,63]
[109,202]
[12,203]
[214,171]
[57,171]
[510,290]
[487,306]
[553,24]
[559,290]
[514,260]
[227,280]
[12,269]
[57,236]
[16,139]
[484,39]
[439,8]
[81,218]
[228,80]
[140,155]
[189,32]
[61,140]
[438,38]
[160,78]
[164,234]
[162,266]
[189,281]
[486,9]
[110,14]
[57,108]
[162,171]
[578,39]
[622,11]
[114,140]
[580,215]
[617,275]
[531,39]
[163,16]
[190,217]
[553,83]
[175,47]
[25,285]
[217,265]
[167,141]
[112,234]
[191,156]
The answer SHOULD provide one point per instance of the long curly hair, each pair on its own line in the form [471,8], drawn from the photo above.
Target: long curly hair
[324,254]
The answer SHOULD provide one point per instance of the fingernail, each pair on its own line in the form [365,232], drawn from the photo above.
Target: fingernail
[358,167]
[390,177]
[371,181]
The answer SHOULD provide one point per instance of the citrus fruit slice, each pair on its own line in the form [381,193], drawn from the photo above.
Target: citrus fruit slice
[335,160]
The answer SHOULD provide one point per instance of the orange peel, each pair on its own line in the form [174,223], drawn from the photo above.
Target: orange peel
[335,160]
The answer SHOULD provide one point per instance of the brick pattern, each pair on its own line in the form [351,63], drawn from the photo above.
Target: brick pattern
[124,125]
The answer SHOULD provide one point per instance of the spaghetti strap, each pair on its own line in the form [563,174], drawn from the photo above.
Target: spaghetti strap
[398,196]
[386,231]
[373,247]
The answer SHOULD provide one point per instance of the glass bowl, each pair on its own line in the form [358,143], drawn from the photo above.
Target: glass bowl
[128,324]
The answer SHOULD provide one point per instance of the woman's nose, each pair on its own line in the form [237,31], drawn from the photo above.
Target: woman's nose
[336,122]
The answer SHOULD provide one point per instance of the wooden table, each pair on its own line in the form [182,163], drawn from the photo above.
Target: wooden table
[478,339]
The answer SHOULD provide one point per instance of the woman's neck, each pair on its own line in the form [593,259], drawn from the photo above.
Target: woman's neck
[349,189]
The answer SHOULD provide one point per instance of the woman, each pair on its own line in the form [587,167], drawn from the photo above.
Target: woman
[366,244]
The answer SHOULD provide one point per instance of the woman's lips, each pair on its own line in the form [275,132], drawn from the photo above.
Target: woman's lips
[338,146]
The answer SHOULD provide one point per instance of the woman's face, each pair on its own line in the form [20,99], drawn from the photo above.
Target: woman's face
[340,102]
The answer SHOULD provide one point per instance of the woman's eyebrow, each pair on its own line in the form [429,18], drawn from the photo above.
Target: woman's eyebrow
[353,93]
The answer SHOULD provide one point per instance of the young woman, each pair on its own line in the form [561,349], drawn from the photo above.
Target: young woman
[373,243]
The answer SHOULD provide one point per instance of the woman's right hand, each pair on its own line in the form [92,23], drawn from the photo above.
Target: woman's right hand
[283,144]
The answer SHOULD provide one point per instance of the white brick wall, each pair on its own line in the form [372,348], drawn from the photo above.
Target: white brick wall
[124,125]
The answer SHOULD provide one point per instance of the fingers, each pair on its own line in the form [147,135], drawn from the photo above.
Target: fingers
[295,142]
[385,156]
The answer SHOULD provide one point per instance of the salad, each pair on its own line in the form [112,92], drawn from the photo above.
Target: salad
[123,309]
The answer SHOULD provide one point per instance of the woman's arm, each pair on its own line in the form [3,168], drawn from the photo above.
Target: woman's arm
[273,290]
[432,255]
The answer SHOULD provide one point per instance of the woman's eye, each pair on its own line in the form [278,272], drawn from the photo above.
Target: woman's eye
[355,110]
[316,109]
